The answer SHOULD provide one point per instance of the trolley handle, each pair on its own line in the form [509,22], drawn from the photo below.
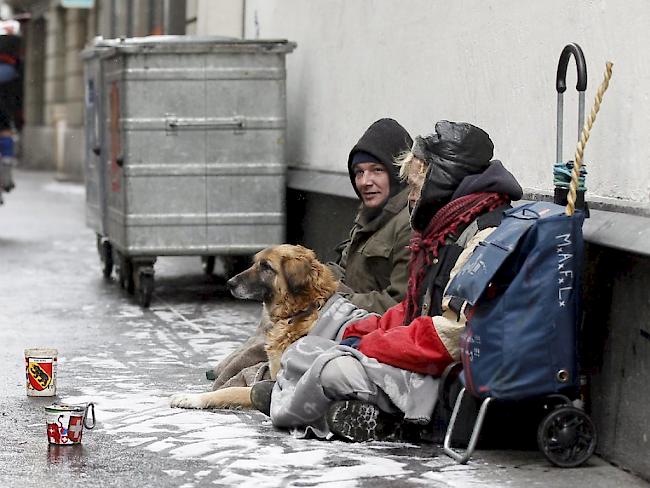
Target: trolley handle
[560,79]
[560,86]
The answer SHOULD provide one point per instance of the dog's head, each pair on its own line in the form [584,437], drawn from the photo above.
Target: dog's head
[285,273]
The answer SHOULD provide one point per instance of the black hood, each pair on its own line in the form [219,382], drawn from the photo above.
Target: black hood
[385,139]
[458,156]
[495,179]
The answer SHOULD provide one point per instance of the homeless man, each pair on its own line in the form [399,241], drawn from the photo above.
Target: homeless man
[382,377]
[373,261]
[372,264]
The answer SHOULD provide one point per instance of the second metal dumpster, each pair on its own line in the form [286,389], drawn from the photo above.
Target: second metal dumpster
[191,151]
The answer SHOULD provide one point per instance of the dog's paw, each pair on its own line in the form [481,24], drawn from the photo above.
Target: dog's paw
[188,400]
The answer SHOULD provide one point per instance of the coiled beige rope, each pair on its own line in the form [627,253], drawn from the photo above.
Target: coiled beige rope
[584,137]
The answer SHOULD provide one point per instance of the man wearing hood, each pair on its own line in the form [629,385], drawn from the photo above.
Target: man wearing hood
[372,264]
[383,375]
[373,261]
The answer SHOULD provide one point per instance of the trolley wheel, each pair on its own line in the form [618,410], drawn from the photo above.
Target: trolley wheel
[567,437]
[207,262]
[125,274]
[145,288]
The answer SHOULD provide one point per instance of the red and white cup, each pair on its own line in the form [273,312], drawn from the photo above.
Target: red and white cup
[65,423]
[40,371]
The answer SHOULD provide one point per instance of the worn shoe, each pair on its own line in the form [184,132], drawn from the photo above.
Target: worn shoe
[261,396]
[359,421]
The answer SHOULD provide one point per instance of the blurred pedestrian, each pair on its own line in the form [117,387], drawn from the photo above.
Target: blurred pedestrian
[7,156]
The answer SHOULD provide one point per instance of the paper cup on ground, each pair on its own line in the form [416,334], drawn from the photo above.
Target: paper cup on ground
[65,423]
[40,370]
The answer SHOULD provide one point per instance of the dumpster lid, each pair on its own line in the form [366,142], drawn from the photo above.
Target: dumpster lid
[97,45]
[185,44]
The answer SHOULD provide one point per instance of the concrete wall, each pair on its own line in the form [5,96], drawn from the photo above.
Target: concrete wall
[54,92]
[218,17]
[616,341]
[34,99]
[191,19]
[75,39]
[55,45]
[38,147]
[489,62]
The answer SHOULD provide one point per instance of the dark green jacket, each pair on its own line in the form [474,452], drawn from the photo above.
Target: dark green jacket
[376,256]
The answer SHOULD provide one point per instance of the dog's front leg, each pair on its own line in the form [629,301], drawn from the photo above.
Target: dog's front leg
[226,398]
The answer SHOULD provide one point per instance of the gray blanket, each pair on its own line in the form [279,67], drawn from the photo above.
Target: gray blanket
[298,400]
[248,364]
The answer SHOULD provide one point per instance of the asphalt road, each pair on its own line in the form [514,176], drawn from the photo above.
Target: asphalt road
[128,361]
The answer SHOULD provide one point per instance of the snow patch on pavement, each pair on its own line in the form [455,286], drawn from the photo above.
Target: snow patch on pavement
[240,447]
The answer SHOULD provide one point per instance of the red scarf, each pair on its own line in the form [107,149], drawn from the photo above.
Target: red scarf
[424,245]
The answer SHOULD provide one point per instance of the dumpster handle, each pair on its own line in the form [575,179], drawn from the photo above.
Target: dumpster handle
[174,123]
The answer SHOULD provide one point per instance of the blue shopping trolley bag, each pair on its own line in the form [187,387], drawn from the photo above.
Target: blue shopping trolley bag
[521,287]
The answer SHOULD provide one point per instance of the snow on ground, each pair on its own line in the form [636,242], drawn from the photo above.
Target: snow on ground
[239,448]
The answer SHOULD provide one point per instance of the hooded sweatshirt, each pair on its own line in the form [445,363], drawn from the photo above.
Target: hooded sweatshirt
[386,140]
[375,257]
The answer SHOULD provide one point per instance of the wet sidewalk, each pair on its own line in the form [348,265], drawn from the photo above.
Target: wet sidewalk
[128,361]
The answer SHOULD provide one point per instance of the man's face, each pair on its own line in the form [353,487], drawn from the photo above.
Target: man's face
[415,179]
[373,183]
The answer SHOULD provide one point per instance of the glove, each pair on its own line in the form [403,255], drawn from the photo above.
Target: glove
[352,342]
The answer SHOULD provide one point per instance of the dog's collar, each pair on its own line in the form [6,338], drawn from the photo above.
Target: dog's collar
[302,313]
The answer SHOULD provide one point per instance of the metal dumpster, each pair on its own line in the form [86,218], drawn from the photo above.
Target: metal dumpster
[191,150]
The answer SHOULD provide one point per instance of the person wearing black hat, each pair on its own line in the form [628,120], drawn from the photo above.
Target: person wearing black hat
[372,263]
[377,377]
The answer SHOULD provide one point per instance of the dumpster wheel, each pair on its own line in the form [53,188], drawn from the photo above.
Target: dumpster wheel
[105,251]
[125,273]
[207,263]
[567,437]
[145,287]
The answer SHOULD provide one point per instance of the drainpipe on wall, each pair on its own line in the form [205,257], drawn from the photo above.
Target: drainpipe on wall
[243,19]
[60,127]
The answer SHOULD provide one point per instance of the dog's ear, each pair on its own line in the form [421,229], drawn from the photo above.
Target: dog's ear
[297,271]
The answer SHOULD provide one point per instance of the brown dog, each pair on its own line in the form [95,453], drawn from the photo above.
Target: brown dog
[293,285]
